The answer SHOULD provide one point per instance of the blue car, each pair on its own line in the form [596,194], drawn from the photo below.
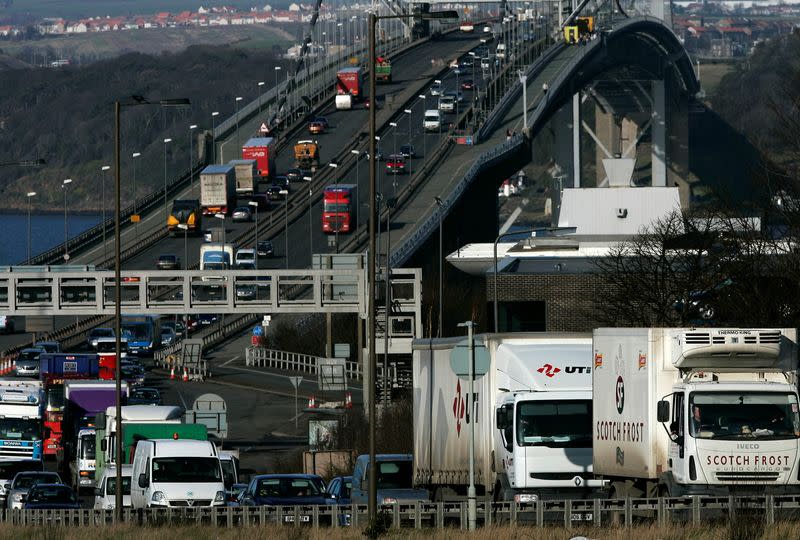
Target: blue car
[339,494]
[285,490]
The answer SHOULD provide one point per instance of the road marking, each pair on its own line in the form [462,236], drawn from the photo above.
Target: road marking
[182,400]
[229,361]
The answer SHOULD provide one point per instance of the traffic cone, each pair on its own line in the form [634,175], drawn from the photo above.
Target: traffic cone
[185,375]
[172,373]
[312,402]
[348,400]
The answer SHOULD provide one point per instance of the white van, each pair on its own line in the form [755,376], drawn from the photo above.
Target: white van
[176,473]
[433,120]
[105,494]
[447,104]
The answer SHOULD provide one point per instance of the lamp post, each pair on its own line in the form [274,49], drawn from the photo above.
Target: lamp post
[411,170]
[523,80]
[214,115]
[185,228]
[64,185]
[166,212]
[254,204]
[191,157]
[260,96]
[471,498]
[394,137]
[336,230]
[135,223]
[357,153]
[236,101]
[440,206]
[221,217]
[103,169]
[310,221]
[136,100]
[30,195]
[372,21]
[285,194]
[494,255]
[424,131]
[276,69]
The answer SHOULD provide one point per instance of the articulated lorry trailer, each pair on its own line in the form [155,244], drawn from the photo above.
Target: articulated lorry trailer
[532,418]
[701,411]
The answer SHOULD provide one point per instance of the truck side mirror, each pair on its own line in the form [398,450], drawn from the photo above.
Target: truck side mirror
[500,418]
[662,411]
[143,483]
[103,445]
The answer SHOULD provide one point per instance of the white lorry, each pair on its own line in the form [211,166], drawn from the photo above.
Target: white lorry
[532,418]
[246,173]
[703,411]
[21,408]
[170,473]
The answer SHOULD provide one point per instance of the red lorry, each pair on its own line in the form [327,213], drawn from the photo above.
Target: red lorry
[338,208]
[349,87]
[262,150]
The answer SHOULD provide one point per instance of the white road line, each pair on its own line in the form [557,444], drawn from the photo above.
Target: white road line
[231,360]
[183,401]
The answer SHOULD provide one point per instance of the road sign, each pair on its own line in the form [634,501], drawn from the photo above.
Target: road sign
[258,330]
[136,218]
[331,374]
[264,128]
[459,359]
[211,411]
[296,383]
[66,256]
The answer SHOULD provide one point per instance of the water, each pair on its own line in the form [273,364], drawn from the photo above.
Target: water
[47,230]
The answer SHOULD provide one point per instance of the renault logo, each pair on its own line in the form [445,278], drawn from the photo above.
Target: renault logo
[578,481]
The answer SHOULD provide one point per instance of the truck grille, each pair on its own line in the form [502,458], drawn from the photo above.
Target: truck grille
[747,476]
[191,502]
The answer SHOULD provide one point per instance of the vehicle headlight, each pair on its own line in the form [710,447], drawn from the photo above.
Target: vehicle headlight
[389,500]
[220,496]
[158,497]
[526,498]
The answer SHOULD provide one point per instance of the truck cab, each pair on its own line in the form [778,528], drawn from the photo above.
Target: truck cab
[82,468]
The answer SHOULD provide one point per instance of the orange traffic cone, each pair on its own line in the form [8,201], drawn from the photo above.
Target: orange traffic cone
[312,402]
[172,373]
[348,400]
[185,375]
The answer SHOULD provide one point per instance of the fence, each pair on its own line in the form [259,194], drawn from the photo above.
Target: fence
[290,361]
[696,510]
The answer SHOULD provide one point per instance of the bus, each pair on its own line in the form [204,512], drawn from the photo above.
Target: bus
[338,214]
[143,333]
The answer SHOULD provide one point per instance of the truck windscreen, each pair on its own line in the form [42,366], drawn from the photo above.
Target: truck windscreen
[743,415]
[337,207]
[88,447]
[137,331]
[20,429]
[55,397]
[561,424]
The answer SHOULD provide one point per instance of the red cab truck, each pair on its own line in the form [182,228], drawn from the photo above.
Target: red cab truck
[262,150]
[349,87]
[338,213]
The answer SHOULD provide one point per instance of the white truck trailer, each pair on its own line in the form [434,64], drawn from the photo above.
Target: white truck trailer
[701,411]
[532,418]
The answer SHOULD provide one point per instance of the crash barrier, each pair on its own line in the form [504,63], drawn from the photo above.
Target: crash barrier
[695,510]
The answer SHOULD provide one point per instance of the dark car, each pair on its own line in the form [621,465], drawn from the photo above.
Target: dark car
[407,151]
[144,396]
[168,261]
[322,120]
[282,181]
[468,84]
[274,192]
[132,374]
[339,494]
[234,494]
[264,248]
[285,490]
[241,214]
[51,497]
[295,175]
[396,164]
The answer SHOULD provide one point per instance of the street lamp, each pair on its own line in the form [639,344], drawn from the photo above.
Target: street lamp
[276,69]
[410,169]
[237,100]
[357,153]
[394,136]
[338,223]
[30,195]
[166,213]
[532,232]
[424,131]
[221,216]
[214,115]
[64,185]
[135,223]
[103,169]
[285,194]
[260,96]
[191,157]
[523,80]
[311,220]
[254,204]
[440,206]
[373,21]
[185,228]
[136,100]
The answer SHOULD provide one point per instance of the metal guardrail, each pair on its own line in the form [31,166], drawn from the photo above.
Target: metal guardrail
[290,361]
[696,510]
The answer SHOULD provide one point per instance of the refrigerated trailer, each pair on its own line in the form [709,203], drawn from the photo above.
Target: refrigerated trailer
[706,411]
[532,418]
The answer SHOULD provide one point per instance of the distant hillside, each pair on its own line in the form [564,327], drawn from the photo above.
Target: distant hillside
[9,62]
[65,116]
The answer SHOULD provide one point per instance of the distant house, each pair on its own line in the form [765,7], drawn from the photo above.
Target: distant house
[52,26]
[294,7]
[78,28]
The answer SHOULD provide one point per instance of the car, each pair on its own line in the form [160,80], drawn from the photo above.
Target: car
[282,181]
[407,150]
[378,102]
[396,164]
[261,200]
[468,84]
[168,261]
[96,333]
[105,492]
[276,192]
[245,255]
[176,326]
[487,29]
[322,120]
[436,89]
[285,490]
[315,128]
[206,319]
[242,213]
[447,104]
[27,362]
[6,324]
[168,336]
[234,494]
[49,346]
[144,396]
[51,497]
[339,494]
[132,373]
[295,175]
[9,469]
[466,27]
[264,248]
[17,489]
[457,96]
